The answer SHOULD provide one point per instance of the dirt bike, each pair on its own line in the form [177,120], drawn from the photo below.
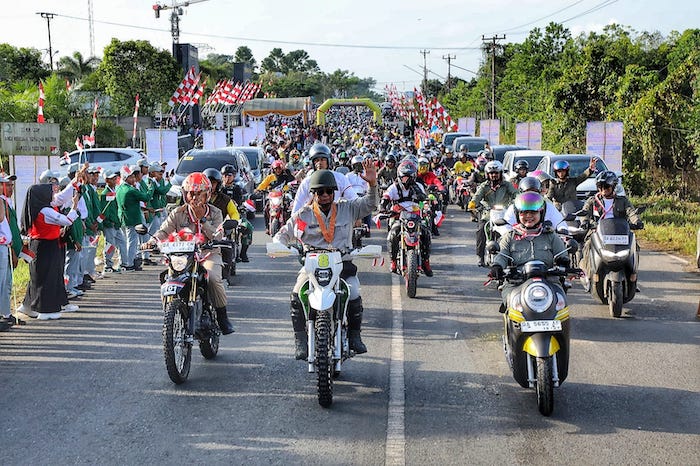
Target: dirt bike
[409,258]
[462,192]
[278,207]
[324,298]
[188,315]
[536,328]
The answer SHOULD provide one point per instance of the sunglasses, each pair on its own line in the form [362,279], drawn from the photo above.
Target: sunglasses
[327,191]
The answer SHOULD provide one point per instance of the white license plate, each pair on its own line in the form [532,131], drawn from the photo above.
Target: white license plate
[540,326]
[169,290]
[623,240]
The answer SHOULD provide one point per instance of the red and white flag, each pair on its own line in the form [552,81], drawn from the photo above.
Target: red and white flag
[40,111]
[249,205]
[90,140]
[27,254]
[196,95]
[78,143]
[136,116]
[69,86]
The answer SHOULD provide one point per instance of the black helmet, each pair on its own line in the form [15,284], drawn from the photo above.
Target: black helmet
[521,164]
[320,150]
[214,175]
[390,158]
[606,178]
[530,183]
[228,169]
[322,179]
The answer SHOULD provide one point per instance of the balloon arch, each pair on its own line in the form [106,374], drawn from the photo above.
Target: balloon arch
[321,112]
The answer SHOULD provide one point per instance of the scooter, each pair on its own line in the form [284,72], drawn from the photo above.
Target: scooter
[613,260]
[536,327]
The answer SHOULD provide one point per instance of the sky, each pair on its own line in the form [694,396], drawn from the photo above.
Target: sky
[378,39]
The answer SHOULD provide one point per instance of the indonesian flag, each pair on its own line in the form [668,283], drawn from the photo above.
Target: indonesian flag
[299,228]
[110,249]
[66,158]
[249,205]
[110,196]
[78,144]
[27,254]
[89,140]
[198,94]
[136,116]
[439,218]
[377,221]
[183,88]
[68,86]
[40,110]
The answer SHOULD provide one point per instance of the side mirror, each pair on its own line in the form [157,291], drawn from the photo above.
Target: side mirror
[230,224]
[573,245]
[492,247]
[141,229]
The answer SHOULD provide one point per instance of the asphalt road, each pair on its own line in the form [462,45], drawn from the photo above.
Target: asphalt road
[91,388]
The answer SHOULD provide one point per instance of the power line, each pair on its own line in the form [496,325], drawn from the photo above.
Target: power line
[543,17]
[591,10]
[273,41]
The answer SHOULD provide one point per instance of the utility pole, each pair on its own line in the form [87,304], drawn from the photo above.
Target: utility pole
[425,71]
[492,46]
[449,59]
[49,17]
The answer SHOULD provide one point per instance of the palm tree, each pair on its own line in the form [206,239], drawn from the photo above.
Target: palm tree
[76,68]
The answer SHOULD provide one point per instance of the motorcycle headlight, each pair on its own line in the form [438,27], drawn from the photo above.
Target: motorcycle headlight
[615,256]
[515,302]
[561,302]
[323,276]
[538,297]
[178,263]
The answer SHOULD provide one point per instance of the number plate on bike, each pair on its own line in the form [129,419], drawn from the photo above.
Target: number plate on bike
[169,289]
[540,326]
[622,240]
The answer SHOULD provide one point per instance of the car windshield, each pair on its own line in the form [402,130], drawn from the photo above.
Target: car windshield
[450,138]
[198,163]
[252,156]
[472,146]
[532,161]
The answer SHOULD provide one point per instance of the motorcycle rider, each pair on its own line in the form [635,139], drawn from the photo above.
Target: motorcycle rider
[387,174]
[235,192]
[406,190]
[428,178]
[607,204]
[202,218]
[358,183]
[529,240]
[552,216]
[227,208]
[521,168]
[279,177]
[320,156]
[494,191]
[325,223]
[563,188]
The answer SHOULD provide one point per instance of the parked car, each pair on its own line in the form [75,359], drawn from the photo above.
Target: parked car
[578,164]
[107,158]
[449,138]
[198,160]
[474,144]
[532,157]
[499,150]
[256,159]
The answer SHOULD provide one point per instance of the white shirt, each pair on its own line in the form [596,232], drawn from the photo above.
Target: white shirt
[358,183]
[304,195]
[5,231]
[550,214]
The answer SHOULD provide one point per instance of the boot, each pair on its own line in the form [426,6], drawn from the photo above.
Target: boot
[394,266]
[222,318]
[244,253]
[427,270]
[296,311]
[354,326]
[301,346]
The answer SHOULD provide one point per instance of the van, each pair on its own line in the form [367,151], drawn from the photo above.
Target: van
[473,144]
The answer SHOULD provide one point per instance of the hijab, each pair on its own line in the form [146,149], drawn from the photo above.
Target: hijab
[38,197]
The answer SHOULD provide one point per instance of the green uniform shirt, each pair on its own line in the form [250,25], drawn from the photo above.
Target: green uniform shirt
[110,208]
[128,198]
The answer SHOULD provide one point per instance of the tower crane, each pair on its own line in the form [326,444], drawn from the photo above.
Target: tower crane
[176,8]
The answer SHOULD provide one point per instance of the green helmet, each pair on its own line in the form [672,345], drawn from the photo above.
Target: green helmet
[322,179]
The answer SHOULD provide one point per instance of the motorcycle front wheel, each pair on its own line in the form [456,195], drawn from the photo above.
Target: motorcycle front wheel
[176,349]
[545,386]
[615,299]
[274,226]
[411,272]
[209,347]
[324,360]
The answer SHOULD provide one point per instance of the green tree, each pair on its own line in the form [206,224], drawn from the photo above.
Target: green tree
[17,64]
[136,67]
[76,68]
[217,67]
[273,63]
[245,55]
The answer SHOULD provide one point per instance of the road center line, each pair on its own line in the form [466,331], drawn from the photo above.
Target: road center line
[395,433]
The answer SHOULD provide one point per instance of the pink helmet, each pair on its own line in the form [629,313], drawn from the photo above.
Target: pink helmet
[278,164]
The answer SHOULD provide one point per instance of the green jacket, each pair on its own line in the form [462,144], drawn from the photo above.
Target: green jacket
[16,236]
[92,202]
[161,188]
[75,234]
[562,191]
[503,195]
[128,198]
[111,210]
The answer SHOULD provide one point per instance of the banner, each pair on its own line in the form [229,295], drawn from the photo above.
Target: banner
[161,146]
[467,125]
[213,139]
[491,130]
[529,134]
[604,140]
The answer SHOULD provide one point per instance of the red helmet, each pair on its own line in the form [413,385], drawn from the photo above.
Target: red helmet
[278,164]
[196,182]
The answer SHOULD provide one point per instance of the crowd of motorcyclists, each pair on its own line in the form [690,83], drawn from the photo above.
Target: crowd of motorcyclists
[333,178]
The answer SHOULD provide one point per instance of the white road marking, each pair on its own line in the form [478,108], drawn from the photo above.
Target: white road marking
[395,433]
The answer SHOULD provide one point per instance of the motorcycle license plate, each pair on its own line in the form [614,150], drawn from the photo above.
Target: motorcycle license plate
[540,326]
[622,240]
[169,289]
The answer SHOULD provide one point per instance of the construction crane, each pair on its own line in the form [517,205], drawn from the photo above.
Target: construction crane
[176,8]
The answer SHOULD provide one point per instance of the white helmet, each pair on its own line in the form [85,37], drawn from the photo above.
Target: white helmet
[494,166]
[357,159]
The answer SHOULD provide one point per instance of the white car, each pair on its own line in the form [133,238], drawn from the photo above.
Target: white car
[107,158]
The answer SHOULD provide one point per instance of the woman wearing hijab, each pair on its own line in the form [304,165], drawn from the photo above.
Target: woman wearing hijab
[41,221]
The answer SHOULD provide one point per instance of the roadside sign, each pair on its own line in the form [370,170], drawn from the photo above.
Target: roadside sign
[529,134]
[604,140]
[30,138]
[491,130]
